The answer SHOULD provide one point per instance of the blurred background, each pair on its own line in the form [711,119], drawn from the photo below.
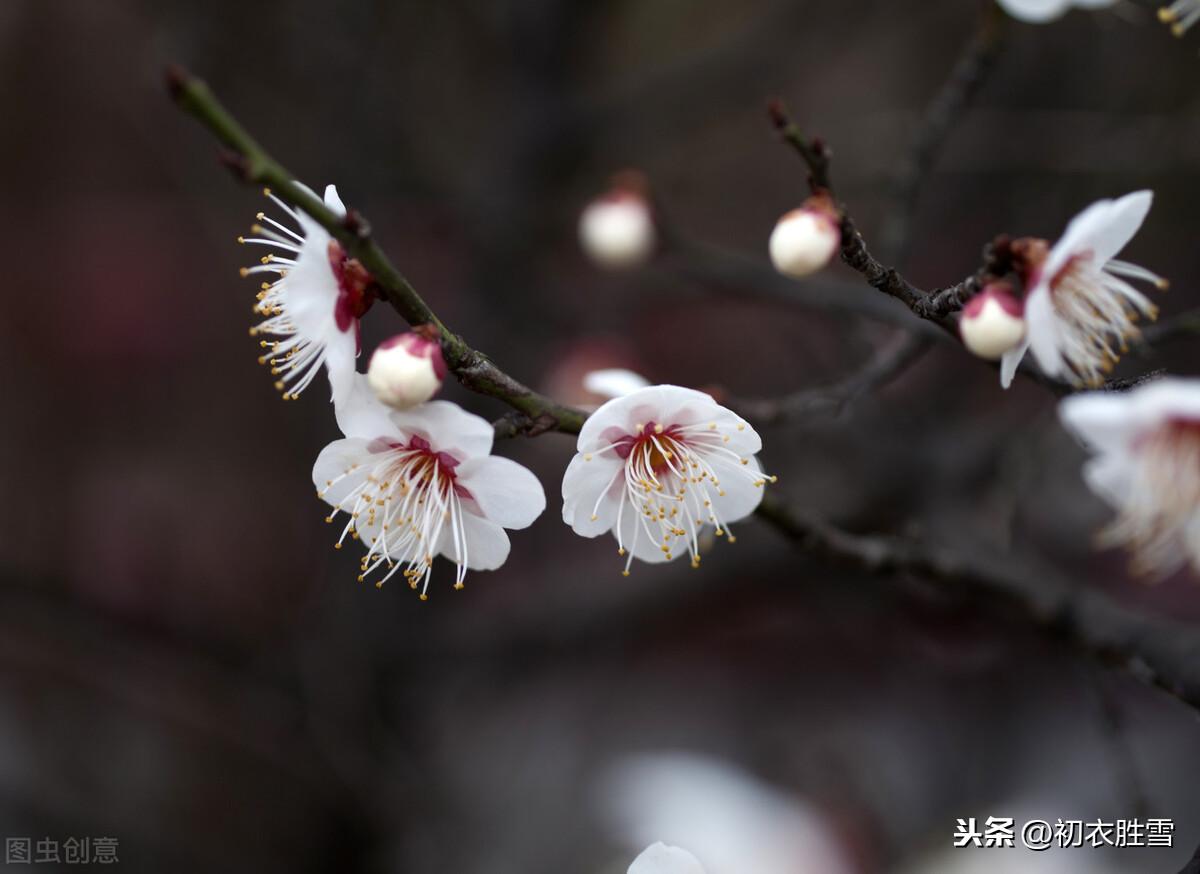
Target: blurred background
[188,666]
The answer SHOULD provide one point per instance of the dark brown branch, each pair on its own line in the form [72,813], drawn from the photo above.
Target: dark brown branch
[1159,651]
[252,164]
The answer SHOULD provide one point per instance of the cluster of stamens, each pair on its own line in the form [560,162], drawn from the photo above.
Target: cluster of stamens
[403,504]
[1099,312]
[1180,15]
[669,481]
[294,358]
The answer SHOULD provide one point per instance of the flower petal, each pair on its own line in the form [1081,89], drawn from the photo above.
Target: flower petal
[1100,420]
[1103,229]
[662,859]
[1041,332]
[582,488]
[742,496]
[664,404]
[614,382]
[506,492]
[1035,11]
[1110,476]
[333,201]
[358,412]
[487,544]
[447,427]
[331,474]
[1011,360]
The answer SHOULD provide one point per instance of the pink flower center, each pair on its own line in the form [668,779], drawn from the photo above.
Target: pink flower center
[356,288]
[422,464]
[658,444]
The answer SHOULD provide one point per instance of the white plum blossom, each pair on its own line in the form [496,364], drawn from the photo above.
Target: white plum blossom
[313,308]
[805,239]
[613,382]
[1180,15]
[420,483]
[661,859]
[1080,311]
[617,229]
[1146,465]
[658,465]
[406,370]
[731,821]
[1041,11]
[992,322]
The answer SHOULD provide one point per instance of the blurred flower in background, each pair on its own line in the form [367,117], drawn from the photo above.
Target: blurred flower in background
[732,822]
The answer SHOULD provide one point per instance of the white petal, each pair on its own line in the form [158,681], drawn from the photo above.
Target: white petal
[506,492]
[1035,11]
[310,290]
[1011,361]
[662,404]
[333,463]
[582,486]
[742,496]
[359,413]
[1103,229]
[339,365]
[662,859]
[1101,420]
[1163,399]
[447,427]
[614,382]
[1111,477]
[333,201]
[487,544]
[1041,326]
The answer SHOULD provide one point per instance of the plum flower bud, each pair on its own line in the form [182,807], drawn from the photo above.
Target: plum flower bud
[616,229]
[806,238]
[406,370]
[992,322]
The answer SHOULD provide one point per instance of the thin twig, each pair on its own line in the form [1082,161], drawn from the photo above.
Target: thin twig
[966,78]
[879,370]
[252,164]
[1159,651]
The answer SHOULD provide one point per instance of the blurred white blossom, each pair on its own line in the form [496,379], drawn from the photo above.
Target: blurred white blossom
[617,229]
[1041,11]
[1079,309]
[731,822]
[660,859]
[1146,465]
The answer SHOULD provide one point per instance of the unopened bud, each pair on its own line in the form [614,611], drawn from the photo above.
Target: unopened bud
[805,239]
[406,370]
[616,229]
[992,322]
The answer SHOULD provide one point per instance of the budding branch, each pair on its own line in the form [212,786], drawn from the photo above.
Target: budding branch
[252,164]
[1158,650]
